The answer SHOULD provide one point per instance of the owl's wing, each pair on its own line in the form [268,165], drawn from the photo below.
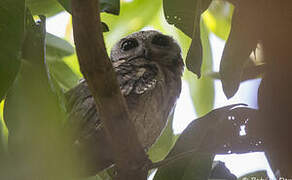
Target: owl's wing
[82,113]
[136,75]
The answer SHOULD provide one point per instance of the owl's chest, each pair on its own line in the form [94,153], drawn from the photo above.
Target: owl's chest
[150,110]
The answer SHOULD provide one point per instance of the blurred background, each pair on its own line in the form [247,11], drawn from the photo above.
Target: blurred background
[198,96]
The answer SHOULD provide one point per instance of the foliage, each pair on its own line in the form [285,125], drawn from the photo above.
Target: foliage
[37,67]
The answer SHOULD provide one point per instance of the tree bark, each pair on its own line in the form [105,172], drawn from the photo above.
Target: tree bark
[97,69]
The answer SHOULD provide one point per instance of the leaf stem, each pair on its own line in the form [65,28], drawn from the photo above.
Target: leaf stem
[169,160]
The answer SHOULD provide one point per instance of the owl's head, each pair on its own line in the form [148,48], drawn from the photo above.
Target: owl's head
[150,45]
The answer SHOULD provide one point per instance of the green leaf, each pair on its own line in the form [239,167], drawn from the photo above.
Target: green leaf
[218,18]
[11,36]
[202,90]
[3,133]
[186,16]
[57,47]
[195,55]
[195,147]
[63,74]
[108,6]
[44,7]
[66,4]
[33,114]
[31,93]
[159,150]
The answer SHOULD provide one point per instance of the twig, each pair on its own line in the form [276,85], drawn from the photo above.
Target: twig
[172,159]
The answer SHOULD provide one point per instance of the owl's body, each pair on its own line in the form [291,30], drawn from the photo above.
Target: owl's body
[148,66]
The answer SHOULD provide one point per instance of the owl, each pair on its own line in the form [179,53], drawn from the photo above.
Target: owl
[148,67]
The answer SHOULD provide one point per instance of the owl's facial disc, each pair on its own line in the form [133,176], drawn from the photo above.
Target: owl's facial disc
[150,45]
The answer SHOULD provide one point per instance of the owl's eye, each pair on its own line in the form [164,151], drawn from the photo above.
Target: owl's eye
[129,44]
[160,40]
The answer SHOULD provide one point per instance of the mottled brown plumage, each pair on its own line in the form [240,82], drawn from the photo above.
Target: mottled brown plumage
[148,66]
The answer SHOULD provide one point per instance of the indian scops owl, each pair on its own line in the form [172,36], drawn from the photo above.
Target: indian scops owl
[148,66]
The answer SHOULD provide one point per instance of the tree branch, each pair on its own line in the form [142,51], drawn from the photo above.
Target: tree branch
[97,69]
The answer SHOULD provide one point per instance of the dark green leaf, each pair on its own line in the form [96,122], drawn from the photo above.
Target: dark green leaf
[108,6]
[251,71]
[104,27]
[202,138]
[12,13]
[66,4]
[220,171]
[44,7]
[195,167]
[185,14]
[202,90]
[241,41]
[195,54]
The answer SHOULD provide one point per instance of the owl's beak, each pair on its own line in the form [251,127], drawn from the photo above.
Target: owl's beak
[146,53]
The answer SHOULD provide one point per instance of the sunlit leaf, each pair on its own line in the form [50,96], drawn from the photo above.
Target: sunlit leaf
[109,6]
[163,145]
[218,18]
[3,133]
[133,16]
[11,36]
